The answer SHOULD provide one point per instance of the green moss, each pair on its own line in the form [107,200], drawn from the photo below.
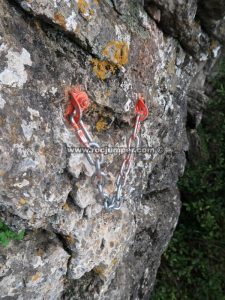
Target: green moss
[6,234]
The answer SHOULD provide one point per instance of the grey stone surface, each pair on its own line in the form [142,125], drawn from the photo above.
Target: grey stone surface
[115,50]
[33,268]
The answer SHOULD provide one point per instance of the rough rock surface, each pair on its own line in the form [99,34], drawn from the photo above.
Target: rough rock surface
[115,50]
[34,268]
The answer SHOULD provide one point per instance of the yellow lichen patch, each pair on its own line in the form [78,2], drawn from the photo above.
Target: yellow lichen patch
[36,276]
[101,125]
[60,19]
[102,68]
[66,206]
[114,262]
[87,8]
[117,52]
[22,201]
[83,6]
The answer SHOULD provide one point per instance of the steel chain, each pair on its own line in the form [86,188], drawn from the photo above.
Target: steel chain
[99,178]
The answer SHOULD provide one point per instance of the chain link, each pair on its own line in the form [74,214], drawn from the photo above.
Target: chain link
[99,178]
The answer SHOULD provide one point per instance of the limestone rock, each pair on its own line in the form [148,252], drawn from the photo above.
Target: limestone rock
[33,268]
[114,50]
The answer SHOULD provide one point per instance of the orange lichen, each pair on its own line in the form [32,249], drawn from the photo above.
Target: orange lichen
[101,125]
[22,201]
[60,19]
[36,276]
[83,6]
[87,9]
[66,206]
[103,68]
[117,52]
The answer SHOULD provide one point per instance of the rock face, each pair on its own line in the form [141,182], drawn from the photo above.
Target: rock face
[34,268]
[74,249]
